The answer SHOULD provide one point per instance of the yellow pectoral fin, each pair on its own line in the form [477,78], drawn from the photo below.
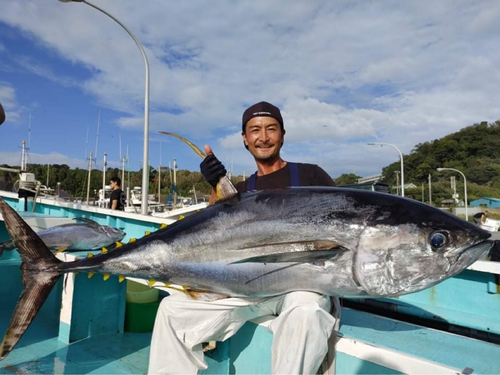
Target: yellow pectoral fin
[60,250]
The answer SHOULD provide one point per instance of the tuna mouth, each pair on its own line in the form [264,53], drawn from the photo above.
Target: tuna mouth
[471,254]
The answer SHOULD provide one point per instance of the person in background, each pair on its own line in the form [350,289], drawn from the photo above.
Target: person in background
[305,320]
[117,198]
[480,217]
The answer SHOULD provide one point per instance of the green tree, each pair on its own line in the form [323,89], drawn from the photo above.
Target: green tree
[346,179]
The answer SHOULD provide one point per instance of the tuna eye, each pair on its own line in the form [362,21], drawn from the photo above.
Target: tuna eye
[438,240]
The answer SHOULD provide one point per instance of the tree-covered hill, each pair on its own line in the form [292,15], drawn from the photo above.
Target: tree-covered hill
[474,150]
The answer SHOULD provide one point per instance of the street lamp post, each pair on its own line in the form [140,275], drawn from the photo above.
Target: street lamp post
[402,167]
[145,158]
[465,188]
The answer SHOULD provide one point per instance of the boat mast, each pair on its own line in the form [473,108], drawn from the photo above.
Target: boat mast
[123,171]
[23,157]
[195,197]
[128,178]
[88,182]
[159,182]
[29,132]
[175,182]
[97,134]
[159,178]
[104,164]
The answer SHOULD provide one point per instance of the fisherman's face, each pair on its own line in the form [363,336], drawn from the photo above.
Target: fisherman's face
[263,137]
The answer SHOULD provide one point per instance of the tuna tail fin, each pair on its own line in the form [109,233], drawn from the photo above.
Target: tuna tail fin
[39,276]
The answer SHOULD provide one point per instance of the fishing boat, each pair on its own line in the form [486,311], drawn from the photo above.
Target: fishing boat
[88,326]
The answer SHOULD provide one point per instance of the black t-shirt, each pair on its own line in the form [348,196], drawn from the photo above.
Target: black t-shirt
[478,215]
[118,195]
[309,175]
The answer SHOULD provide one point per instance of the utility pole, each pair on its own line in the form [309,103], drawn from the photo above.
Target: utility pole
[397,182]
[430,191]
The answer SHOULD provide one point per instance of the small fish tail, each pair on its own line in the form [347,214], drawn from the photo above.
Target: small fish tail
[7,245]
[39,274]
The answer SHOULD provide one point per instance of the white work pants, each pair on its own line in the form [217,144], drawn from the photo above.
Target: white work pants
[301,330]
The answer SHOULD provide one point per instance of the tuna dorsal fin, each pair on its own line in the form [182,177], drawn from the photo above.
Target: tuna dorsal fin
[87,221]
[320,250]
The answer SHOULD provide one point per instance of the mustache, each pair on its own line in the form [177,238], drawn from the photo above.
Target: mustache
[264,144]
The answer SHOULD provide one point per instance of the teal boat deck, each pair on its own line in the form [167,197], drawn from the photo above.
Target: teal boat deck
[40,352]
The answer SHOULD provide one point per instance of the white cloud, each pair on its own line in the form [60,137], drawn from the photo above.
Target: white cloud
[32,66]
[232,141]
[7,95]
[9,103]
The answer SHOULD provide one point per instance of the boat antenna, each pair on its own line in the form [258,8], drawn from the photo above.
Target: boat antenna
[89,172]
[87,141]
[23,156]
[128,169]
[97,135]
[29,132]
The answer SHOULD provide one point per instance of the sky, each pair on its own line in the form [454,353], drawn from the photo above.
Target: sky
[344,73]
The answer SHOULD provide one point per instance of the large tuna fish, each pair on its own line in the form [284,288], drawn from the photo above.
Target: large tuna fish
[334,241]
[88,235]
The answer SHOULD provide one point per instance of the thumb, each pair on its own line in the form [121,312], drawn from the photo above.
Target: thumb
[208,150]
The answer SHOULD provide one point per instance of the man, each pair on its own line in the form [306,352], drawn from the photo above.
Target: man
[303,324]
[480,217]
[117,198]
